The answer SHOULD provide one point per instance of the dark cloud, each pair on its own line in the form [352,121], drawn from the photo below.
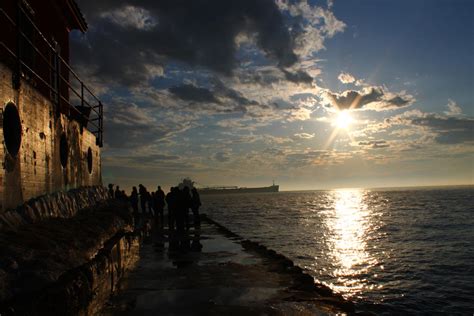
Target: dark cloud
[220,99]
[232,94]
[374,144]
[299,77]
[450,130]
[198,32]
[189,92]
[221,156]
[129,126]
[371,97]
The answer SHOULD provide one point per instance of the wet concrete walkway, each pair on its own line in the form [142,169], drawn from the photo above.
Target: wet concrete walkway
[215,275]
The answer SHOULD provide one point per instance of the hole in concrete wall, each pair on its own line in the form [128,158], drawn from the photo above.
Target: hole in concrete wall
[12,129]
[63,150]
[89,160]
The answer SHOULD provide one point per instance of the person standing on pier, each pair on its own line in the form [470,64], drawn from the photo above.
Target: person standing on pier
[151,203]
[134,202]
[171,201]
[118,193]
[159,203]
[182,209]
[111,190]
[143,198]
[186,205]
[195,204]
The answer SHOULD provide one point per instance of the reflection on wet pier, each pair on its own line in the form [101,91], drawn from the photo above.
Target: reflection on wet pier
[206,271]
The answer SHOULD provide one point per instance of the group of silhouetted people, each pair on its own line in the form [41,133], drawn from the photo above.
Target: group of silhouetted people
[152,204]
[179,202]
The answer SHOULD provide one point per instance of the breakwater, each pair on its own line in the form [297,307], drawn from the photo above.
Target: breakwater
[306,289]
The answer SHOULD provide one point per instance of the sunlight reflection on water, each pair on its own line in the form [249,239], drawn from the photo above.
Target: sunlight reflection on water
[393,252]
[348,224]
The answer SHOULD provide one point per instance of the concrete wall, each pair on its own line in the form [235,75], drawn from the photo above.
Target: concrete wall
[68,265]
[37,168]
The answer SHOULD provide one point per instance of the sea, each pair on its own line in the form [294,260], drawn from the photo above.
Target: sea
[391,251]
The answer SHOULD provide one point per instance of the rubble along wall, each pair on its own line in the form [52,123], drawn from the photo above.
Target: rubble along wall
[57,205]
[37,167]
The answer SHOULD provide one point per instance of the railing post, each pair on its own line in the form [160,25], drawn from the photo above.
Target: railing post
[57,69]
[16,76]
[100,133]
[82,93]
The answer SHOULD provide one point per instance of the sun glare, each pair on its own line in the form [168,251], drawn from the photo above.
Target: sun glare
[343,120]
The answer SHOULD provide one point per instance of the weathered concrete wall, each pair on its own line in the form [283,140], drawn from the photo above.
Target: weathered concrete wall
[37,168]
[67,266]
[83,290]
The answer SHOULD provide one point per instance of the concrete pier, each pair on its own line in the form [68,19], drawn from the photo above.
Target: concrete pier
[219,273]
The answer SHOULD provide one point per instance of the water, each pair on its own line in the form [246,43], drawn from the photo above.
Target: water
[391,251]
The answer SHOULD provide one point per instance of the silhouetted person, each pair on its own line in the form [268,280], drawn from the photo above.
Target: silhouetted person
[181,204]
[143,198]
[171,201]
[151,207]
[151,201]
[182,209]
[118,193]
[111,190]
[187,205]
[195,205]
[134,202]
[159,203]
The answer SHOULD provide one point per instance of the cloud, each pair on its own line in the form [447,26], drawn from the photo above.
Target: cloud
[346,78]
[305,158]
[189,92]
[298,77]
[149,162]
[304,135]
[450,130]
[131,16]
[312,25]
[314,157]
[221,156]
[444,129]
[454,109]
[130,126]
[199,33]
[373,98]
[221,99]
[374,144]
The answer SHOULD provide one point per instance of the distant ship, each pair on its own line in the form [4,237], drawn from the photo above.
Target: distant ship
[235,189]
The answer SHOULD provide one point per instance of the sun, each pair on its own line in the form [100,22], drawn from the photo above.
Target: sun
[343,120]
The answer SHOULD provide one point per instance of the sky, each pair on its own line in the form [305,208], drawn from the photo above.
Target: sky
[311,94]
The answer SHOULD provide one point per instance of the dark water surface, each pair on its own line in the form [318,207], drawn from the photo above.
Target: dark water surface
[391,251]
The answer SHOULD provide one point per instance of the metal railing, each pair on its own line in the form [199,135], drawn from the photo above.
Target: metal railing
[35,59]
